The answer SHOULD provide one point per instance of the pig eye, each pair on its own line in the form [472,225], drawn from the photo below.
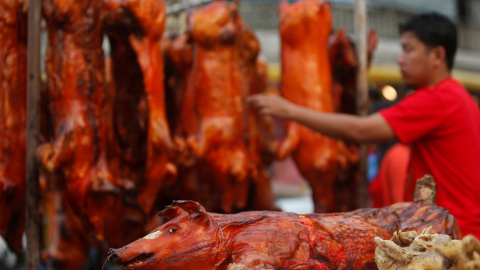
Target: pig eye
[172,230]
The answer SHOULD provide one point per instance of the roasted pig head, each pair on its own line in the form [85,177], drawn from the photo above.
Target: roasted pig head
[189,224]
[217,22]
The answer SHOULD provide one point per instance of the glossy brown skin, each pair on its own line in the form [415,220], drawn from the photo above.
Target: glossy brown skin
[140,144]
[180,53]
[344,64]
[67,241]
[124,213]
[76,96]
[195,239]
[260,139]
[194,181]
[13,69]
[125,97]
[151,15]
[306,81]
[215,75]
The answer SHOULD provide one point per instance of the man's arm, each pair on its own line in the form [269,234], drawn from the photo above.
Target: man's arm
[373,128]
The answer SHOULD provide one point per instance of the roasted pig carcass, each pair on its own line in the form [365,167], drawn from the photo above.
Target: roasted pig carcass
[124,213]
[13,79]
[67,242]
[307,80]
[126,106]
[215,78]
[196,239]
[135,29]
[258,131]
[76,98]
[180,53]
[193,179]
[150,16]
[178,57]
[344,64]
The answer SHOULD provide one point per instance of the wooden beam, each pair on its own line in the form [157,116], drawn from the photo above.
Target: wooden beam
[362,94]
[32,126]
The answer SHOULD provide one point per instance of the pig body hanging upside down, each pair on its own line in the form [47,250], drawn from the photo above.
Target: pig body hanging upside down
[196,239]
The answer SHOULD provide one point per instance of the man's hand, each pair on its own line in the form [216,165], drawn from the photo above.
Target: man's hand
[352,128]
[271,105]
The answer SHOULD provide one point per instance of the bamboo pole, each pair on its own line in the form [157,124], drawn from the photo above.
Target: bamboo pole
[32,126]
[362,94]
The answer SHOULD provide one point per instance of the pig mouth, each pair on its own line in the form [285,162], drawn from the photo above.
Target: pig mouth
[131,264]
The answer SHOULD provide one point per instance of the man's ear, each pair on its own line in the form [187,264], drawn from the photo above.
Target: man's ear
[439,56]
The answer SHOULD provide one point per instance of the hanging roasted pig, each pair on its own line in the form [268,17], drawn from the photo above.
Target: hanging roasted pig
[150,16]
[13,79]
[140,144]
[344,64]
[258,131]
[76,98]
[128,112]
[194,179]
[196,239]
[215,78]
[307,81]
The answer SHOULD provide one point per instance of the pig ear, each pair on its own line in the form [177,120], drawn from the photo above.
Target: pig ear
[171,212]
[193,209]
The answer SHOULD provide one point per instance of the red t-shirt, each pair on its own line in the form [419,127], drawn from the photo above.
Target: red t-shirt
[388,186]
[442,124]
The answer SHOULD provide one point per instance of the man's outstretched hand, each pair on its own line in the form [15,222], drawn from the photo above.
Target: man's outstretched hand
[271,105]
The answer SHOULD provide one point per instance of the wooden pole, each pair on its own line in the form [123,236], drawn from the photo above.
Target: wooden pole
[362,94]
[33,94]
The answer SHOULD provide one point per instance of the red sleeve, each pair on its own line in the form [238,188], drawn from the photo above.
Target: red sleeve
[416,115]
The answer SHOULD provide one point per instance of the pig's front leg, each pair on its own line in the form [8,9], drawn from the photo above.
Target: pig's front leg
[252,262]
[240,266]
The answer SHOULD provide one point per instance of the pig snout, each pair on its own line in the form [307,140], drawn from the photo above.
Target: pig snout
[128,257]
[114,256]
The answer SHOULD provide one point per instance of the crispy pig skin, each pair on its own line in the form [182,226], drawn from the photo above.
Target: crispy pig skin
[219,142]
[306,80]
[13,72]
[196,239]
[76,155]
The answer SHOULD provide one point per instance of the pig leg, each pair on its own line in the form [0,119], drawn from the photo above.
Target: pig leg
[261,261]
[238,266]
[249,261]
[51,159]
[240,170]
[198,147]
[322,182]
[290,143]
[225,188]
[263,194]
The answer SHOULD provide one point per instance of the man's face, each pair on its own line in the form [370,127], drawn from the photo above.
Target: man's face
[415,61]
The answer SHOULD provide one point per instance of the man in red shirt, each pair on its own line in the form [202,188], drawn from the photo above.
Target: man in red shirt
[440,120]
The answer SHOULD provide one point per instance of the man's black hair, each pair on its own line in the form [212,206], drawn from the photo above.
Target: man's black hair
[434,30]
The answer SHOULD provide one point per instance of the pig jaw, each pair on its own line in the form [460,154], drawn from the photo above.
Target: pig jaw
[144,261]
[129,259]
